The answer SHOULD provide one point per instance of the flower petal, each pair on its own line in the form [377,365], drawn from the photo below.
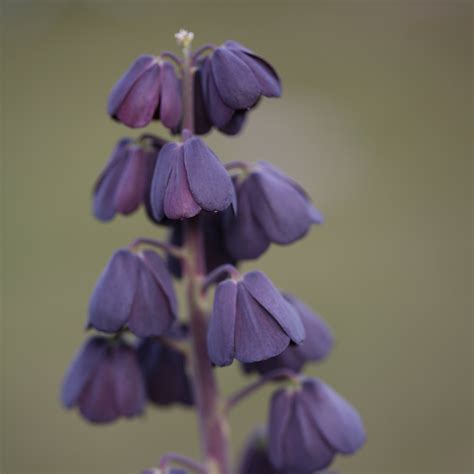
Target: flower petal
[281,406]
[263,290]
[221,332]
[114,293]
[209,181]
[171,107]
[235,124]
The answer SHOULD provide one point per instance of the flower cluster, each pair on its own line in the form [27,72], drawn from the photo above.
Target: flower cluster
[216,215]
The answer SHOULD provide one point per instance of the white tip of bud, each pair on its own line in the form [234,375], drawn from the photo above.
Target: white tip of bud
[184,38]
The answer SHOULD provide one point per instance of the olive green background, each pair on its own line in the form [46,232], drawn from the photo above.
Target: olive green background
[375,121]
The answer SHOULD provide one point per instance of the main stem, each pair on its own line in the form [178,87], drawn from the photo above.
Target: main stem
[212,420]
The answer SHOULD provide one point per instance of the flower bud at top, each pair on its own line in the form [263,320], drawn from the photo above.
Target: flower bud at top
[189,178]
[125,181]
[149,89]
[251,321]
[271,208]
[309,425]
[105,381]
[317,344]
[134,290]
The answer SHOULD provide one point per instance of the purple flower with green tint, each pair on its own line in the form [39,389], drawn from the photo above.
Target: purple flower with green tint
[271,207]
[309,425]
[189,178]
[251,321]
[105,381]
[149,89]
[125,181]
[136,291]
[165,369]
[316,346]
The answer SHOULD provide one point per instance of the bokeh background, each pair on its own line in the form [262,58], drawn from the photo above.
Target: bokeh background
[375,122]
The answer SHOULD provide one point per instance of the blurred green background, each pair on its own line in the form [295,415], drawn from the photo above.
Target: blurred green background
[376,123]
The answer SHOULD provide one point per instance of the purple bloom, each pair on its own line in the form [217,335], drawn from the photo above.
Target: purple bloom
[251,321]
[271,208]
[309,425]
[134,290]
[171,470]
[148,89]
[125,181]
[317,344]
[104,381]
[189,178]
[165,371]
[254,457]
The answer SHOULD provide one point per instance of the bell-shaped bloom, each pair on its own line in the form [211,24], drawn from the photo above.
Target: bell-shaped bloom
[165,370]
[189,178]
[214,249]
[149,89]
[271,207]
[251,321]
[233,79]
[105,381]
[308,426]
[316,346]
[136,291]
[125,181]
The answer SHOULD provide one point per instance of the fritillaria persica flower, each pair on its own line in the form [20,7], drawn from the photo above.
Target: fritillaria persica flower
[134,290]
[105,381]
[309,425]
[189,178]
[271,207]
[251,321]
[317,344]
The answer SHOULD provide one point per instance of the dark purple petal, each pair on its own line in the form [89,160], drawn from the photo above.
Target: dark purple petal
[319,339]
[82,369]
[133,182]
[281,210]
[171,106]
[337,420]
[114,293]
[258,335]
[161,175]
[236,123]
[218,112]
[139,105]
[179,202]
[126,82]
[202,123]
[97,401]
[129,385]
[209,181]
[106,184]
[150,313]
[280,411]
[158,268]
[221,332]
[254,458]
[290,358]
[263,290]
[235,81]
[244,237]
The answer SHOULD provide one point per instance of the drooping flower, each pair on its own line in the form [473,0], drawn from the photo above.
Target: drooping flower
[251,321]
[232,80]
[317,344]
[148,89]
[134,290]
[309,425]
[125,181]
[271,207]
[105,381]
[214,249]
[165,369]
[189,178]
